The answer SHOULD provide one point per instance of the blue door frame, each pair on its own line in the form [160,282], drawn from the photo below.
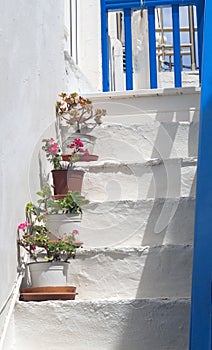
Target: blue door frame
[202,265]
[127,6]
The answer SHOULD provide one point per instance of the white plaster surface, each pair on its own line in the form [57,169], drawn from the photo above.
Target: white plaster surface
[137,223]
[89,41]
[32,73]
[163,271]
[190,78]
[152,139]
[156,178]
[75,79]
[140,47]
[166,105]
[147,324]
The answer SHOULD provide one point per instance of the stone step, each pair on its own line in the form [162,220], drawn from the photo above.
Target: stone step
[145,272]
[145,324]
[160,104]
[136,223]
[156,178]
[154,139]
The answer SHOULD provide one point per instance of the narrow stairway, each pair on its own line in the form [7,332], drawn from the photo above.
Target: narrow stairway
[133,275]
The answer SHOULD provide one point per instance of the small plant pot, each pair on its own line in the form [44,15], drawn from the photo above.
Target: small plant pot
[65,180]
[59,224]
[88,142]
[82,158]
[44,273]
[48,293]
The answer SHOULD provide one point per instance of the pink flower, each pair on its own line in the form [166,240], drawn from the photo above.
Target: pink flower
[78,143]
[53,149]
[23,225]
[75,232]
[51,140]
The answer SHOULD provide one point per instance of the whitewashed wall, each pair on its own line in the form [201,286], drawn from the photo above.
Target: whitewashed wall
[89,41]
[32,74]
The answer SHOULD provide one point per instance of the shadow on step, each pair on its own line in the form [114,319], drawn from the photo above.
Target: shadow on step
[155,325]
[159,317]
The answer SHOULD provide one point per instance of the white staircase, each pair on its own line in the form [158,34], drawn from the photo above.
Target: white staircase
[134,273]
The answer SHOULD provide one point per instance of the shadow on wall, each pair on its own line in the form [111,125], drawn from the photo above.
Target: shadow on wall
[75,80]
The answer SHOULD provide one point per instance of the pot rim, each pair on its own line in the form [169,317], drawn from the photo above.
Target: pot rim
[48,262]
[82,134]
[70,170]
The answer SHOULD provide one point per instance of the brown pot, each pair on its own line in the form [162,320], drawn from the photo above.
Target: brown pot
[82,158]
[48,293]
[65,180]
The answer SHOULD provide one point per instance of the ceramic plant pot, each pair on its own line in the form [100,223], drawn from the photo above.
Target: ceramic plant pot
[82,158]
[65,180]
[44,273]
[59,224]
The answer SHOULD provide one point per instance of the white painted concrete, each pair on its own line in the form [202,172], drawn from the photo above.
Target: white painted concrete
[156,178]
[89,41]
[106,325]
[74,78]
[156,272]
[137,223]
[32,73]
[154,139]
[167,104]
[140,50]
[166,79]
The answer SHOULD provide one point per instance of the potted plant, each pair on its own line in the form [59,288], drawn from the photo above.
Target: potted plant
[49,259]
[62,214]
[74,151]
[65,176]
[79,116]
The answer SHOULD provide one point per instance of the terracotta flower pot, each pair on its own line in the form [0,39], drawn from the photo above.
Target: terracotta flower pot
[48,293]
[82,158]
[65,180]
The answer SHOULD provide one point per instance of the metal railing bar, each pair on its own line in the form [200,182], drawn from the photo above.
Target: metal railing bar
[170,29]
[192,37]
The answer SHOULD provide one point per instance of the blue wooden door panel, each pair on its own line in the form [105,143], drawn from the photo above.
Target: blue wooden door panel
[165,3]
[176,42]
[202,266]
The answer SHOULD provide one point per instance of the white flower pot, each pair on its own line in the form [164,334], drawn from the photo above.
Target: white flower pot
[48,273]
[58,224]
